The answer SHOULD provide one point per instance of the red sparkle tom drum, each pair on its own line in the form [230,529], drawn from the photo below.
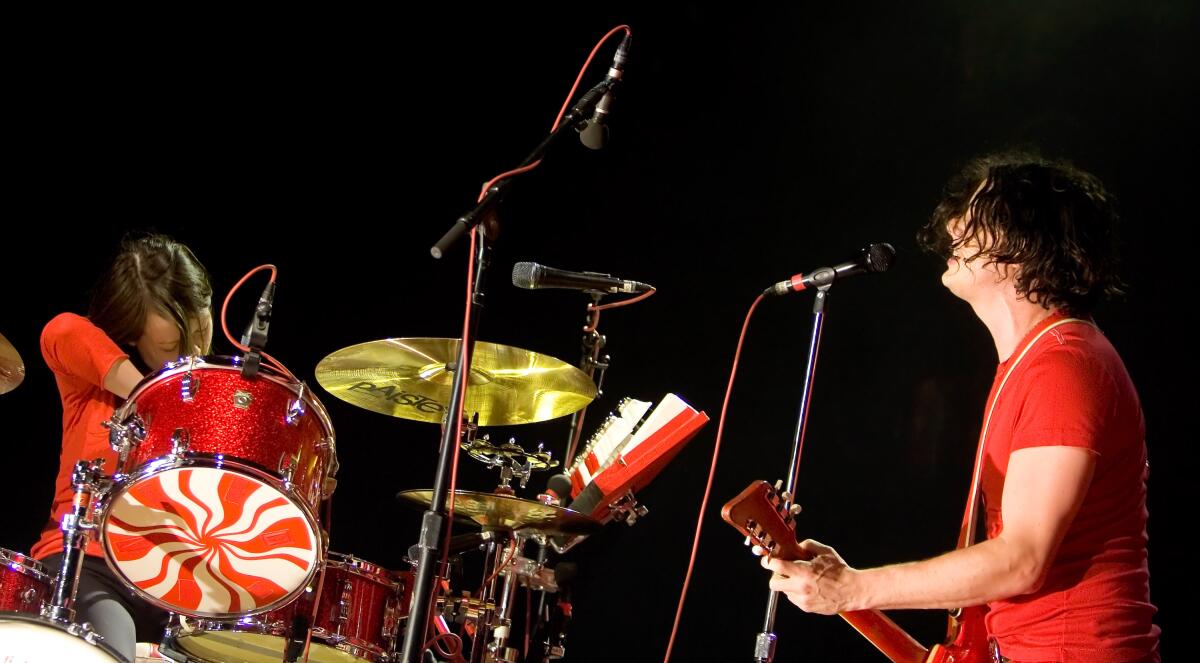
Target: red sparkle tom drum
[24,583]
[355,618]
[213,510]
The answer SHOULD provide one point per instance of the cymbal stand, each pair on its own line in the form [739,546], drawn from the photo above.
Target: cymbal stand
[486,619]
[498,652]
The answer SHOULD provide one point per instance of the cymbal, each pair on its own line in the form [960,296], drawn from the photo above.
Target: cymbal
[409,378]
[12,369]
[492,511]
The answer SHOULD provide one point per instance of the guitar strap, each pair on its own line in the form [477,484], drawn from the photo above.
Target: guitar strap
[966,535]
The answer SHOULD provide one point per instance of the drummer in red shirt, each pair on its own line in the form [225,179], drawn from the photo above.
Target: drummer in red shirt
[1030,246]
[151,306]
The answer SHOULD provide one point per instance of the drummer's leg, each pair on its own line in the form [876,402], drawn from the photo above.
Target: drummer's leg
[100,602]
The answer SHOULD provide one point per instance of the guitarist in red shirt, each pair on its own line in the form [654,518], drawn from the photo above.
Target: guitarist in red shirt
[1061,469]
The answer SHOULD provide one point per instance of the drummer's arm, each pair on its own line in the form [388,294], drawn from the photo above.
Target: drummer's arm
[76,349]
[122,378]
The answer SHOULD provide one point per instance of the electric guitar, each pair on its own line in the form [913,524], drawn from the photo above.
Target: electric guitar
[767,520]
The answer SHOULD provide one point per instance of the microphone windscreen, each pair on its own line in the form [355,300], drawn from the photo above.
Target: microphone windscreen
[524,275]
[880,257]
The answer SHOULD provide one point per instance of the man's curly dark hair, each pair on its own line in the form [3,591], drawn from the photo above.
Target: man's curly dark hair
[1053,221]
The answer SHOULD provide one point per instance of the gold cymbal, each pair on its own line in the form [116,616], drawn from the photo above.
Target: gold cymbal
[408,378]
[502,512]
[12,369]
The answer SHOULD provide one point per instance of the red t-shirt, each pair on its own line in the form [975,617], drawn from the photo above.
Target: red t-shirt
[1071,389]
[80,354]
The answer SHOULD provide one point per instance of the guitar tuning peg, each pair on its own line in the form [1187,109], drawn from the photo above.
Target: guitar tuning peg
[794,509]
[787,497]
[747,541]
[778,484]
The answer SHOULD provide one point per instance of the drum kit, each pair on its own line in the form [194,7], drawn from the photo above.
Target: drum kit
[213,512]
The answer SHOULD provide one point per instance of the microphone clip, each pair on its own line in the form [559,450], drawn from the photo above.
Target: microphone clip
[255,336]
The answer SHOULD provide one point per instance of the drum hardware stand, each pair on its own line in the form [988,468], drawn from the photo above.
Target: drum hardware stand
[764,644]
[515,568]
[487,615]
[554,647]
[77,526]
[592,344]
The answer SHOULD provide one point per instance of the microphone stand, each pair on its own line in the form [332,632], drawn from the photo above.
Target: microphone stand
[574,118]
[433,522]
[764,644]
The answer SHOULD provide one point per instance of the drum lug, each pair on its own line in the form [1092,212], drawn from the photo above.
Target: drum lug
[391,621]
[341,613]
[296,408]
[287,468]
[180,440]
[190,384]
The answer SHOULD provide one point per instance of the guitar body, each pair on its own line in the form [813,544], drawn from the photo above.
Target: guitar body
[765,518]
[966,639]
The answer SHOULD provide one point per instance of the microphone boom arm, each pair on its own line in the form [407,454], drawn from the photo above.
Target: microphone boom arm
[574,117]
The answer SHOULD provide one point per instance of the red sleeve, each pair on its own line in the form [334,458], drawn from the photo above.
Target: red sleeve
[74,347]
[1066,402]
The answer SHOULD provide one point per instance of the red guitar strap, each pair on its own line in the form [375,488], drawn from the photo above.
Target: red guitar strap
[966,535]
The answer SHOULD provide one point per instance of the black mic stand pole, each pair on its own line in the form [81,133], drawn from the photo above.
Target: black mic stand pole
[433,522]
[764,644]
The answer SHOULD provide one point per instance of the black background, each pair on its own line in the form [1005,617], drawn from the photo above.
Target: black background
[747,144]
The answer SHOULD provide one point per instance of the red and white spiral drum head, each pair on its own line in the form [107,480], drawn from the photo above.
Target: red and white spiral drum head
[213,512]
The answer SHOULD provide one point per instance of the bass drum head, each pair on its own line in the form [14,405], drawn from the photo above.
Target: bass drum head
[232,647]
[28,639]
[210,542]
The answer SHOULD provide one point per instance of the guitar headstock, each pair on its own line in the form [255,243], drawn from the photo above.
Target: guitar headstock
[767,519]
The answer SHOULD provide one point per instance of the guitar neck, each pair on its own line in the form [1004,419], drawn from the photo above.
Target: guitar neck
[886,635]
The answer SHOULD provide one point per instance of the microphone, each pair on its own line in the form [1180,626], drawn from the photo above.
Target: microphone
[559,487]
[595,134]
[532,276]
[255,335]
[874,258]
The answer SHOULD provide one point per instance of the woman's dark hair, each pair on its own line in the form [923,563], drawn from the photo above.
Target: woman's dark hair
[150,272]
[1053,221]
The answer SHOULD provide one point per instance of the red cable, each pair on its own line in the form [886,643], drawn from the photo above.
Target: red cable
[595,309]
[711,471]
[273,362]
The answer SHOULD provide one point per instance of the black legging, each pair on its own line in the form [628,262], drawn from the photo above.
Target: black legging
[113,610]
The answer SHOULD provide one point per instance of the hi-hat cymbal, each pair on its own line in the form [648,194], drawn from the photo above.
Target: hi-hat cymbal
[409,378]
[502,512]
[12,369]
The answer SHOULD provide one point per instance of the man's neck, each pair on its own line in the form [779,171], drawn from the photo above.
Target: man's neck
[1009,318]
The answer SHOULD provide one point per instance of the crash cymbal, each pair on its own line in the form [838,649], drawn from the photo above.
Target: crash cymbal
[408,378]
[492,511]
[12,369]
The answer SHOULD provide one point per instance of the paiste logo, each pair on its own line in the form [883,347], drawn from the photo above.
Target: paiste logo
[392,394]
